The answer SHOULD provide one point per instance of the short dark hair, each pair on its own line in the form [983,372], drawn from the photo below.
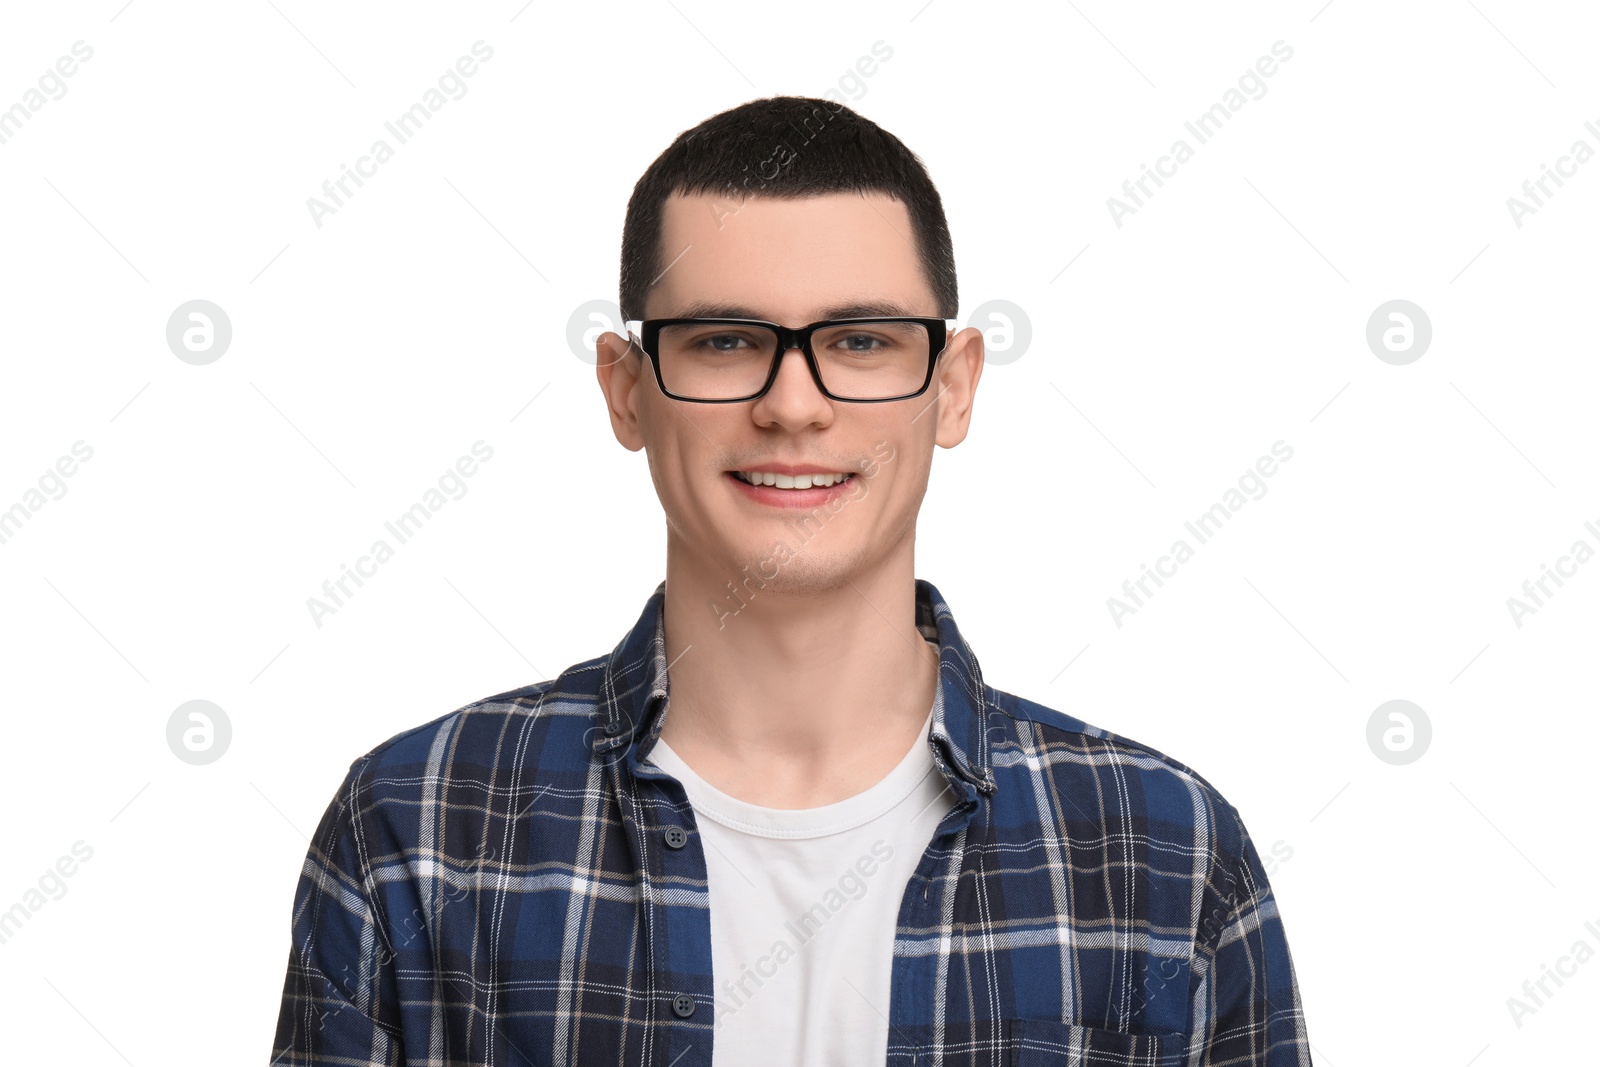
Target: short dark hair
[785,147]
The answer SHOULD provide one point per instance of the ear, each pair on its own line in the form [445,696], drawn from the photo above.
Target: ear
[954,383]
[619,366]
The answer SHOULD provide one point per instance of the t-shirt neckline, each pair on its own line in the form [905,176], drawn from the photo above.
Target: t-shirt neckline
[837,817]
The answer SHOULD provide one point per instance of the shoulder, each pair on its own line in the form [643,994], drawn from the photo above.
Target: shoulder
[466,754]
[1107,777]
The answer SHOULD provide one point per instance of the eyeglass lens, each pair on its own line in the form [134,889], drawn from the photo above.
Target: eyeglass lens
[861,361]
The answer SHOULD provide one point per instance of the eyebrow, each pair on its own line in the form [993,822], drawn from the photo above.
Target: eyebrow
[704,309]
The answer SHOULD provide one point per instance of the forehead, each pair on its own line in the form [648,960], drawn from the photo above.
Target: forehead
[792,260]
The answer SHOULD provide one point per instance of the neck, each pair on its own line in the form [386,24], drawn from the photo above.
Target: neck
[794,693]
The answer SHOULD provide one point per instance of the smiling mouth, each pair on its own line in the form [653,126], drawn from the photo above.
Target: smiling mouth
[792,481]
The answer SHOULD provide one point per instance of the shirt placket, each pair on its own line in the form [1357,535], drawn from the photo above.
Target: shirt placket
[676,978]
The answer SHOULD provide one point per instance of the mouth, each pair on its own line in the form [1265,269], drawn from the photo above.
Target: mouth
[793,481]
[790,490]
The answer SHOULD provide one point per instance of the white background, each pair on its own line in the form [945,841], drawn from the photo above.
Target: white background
[1227,313]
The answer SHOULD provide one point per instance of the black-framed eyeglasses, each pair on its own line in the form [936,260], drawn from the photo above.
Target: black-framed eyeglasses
[726,361]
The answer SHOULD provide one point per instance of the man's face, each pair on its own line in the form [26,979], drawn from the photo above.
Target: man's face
[792,262]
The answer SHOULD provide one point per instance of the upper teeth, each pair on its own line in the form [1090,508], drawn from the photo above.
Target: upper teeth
[791,481]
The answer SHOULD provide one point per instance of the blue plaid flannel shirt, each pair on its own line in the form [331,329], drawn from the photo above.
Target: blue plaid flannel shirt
[497,886]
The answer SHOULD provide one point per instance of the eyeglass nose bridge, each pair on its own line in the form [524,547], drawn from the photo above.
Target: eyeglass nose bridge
[789,339]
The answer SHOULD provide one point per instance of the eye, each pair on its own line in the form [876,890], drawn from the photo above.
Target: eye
[722,342]
[861,342]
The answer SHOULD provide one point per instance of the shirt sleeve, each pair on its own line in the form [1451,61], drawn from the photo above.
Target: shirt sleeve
[1246,1005]
[340,998]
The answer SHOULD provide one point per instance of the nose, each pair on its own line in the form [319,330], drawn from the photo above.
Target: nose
[795,398]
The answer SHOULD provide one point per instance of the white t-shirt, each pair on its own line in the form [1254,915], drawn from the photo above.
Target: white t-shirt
[804,905]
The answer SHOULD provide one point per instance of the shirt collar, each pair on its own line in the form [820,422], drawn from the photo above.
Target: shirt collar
[633,690]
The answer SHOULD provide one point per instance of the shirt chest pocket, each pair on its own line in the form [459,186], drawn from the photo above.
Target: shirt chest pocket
[1049,1043]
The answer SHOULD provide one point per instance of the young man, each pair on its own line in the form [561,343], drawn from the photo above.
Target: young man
[832,843]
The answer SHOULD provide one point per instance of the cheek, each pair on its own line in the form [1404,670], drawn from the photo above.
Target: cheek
[684,464]
[661,455]
[904,480]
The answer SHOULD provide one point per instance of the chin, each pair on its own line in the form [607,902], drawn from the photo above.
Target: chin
[804,572]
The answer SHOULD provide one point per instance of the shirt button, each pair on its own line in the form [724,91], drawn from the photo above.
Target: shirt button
[683,1005]
[677,837]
